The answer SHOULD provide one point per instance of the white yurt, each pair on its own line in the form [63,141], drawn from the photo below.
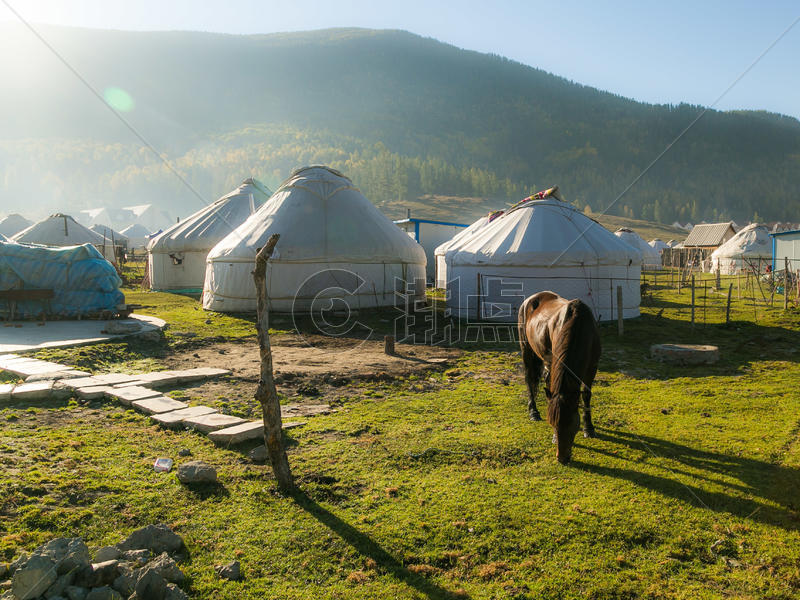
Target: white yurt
[541,245]
[335,246]
[12,224]
[150,217]
[750,246]
[650,258]
[58,230]
[177,256]
[658,245]
[138,236]
[672,243]
[110,234]
[441,250]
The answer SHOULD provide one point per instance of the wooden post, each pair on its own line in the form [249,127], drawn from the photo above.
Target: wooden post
[785,282]
[619,310]
[692,300]
[718,282]
[266,394]
[388,344]
[728,305]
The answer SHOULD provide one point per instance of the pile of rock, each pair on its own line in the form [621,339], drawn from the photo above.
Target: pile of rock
[141,567]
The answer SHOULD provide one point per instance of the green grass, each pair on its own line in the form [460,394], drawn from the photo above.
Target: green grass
[689,491]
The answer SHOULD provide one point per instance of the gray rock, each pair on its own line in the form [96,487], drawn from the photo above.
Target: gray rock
[167,568]
[98,574]
[55,598]
[175,593]
[70,554]
[156,538]
[122,327]
[231,571]
[151,336]
[258,454]
[19,563]
[3,570]
[184,452]
[125,584]
[150,585]
[106,553]
[104,593]
[197,471]
[74,592]
[138,557]
[58,589]
[32,580]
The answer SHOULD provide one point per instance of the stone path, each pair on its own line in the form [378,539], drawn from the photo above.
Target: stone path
[45,380]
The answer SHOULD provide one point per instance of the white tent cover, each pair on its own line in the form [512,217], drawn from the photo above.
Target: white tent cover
[651,259]
[109,233]
[541,245]
[335,246]
[658,245]
[12,224]
[441,250]
[178,255]
[58,230]
[137,235]
[745,248]
[150,216]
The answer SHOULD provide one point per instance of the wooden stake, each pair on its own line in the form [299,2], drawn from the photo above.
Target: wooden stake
[619,310]
[388,344]
[266,394]
[692,300]
[728,306]
[785,282]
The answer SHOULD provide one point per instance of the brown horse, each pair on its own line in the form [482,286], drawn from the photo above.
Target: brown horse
[560,337]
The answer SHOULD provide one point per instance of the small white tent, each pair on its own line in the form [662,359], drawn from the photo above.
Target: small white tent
[110,234]
[58,230]
[750,246]
[177,256]
[658,245]
[12,224]
[650,258]
[336,250]
[441,250]
[138,236]
[541,245]
[150,217]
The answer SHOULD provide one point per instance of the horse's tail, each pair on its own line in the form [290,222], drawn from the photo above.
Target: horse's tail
[572,348]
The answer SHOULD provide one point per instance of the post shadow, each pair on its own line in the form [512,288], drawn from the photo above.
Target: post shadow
[371,549]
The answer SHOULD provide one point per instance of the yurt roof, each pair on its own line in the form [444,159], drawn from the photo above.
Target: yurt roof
[13,224]
[321,217]
[58,230]
[467,233]
[135,231]
[753,240]
[3,238]
[629,236]
[108,232]
[202,230]
[543,233]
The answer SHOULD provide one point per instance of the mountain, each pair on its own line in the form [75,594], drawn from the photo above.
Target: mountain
[404,116]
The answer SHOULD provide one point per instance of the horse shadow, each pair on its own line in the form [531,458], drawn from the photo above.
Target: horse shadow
[766,492]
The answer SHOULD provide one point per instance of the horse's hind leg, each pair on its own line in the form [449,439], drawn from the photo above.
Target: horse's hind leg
[586,394]
[533,373]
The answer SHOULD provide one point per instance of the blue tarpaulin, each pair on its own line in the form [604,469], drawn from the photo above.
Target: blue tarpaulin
[82,281]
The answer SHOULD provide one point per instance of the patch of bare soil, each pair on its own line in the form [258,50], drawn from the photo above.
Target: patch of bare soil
[311,371]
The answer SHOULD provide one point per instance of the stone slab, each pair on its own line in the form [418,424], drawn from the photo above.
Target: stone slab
[127,395]
[685,354]
[199,373]
[177,417]
[237,434]
[59,375]
[25,367]
[212,422]
[157,379]
[39,390]
[159,404]
[108,379]
[92,392]
[5,391]
[304,410]
[7,357]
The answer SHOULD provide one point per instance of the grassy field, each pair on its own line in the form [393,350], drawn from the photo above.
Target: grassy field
[439,486]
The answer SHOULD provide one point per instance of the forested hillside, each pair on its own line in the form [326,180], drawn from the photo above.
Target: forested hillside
[404,116]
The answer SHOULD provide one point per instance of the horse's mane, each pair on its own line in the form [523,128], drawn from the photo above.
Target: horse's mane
[568,350]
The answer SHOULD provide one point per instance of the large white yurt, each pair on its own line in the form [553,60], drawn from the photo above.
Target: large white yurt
[335,247]
[58,230]
[177,256]
[751,246]
[541,245]
[650,258]
[12,224]
[441,250]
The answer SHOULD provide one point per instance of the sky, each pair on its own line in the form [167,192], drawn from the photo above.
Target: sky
[658,52]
